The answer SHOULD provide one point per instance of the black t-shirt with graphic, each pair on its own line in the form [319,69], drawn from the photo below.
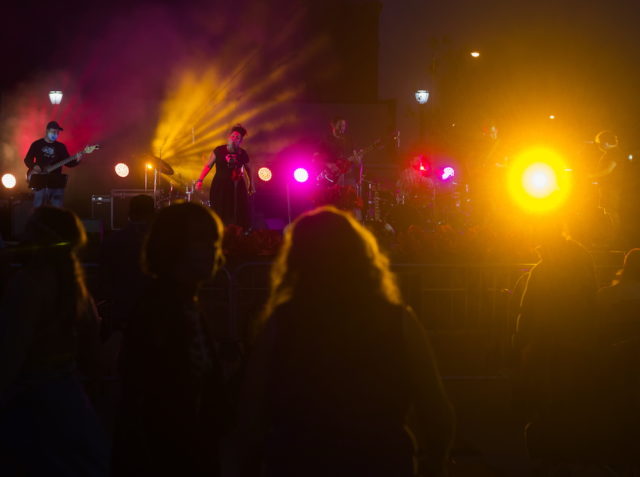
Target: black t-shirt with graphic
[43,154]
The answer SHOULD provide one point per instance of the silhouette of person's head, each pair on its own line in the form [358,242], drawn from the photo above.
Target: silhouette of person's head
[631,268]
[184,244]
[606,140]
[327,254]
[54,227]
[56,235]
[141,208]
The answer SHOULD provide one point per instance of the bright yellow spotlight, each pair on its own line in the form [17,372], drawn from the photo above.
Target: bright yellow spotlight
[475,54]
[552,116]
[539,180]
[149,166]
[9,181]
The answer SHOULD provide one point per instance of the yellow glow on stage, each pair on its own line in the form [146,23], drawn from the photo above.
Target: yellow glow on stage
[208,96]
[539,180]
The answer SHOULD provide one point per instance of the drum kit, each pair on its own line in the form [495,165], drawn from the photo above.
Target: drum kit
[176,188]
[401,207]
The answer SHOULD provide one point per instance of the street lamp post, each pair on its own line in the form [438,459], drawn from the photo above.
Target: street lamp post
[422,98]
[55,97]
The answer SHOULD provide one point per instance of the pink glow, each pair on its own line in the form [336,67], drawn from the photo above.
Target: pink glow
[301,175]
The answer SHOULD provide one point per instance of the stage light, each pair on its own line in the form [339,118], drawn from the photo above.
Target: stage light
[265,174]
[301,175]
[55,97]
[9,181]
[448,173]
[475,54]
[149,166]
[552,116]
[539,180]
[422,96]
[421,164]
[122,169]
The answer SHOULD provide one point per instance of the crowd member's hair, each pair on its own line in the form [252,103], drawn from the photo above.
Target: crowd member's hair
[326,253]
[55,236]
[141,208]
[606,140]
[239,128]
[169,236]
[630,271]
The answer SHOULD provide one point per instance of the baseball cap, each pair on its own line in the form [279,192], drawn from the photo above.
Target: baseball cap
[54,125]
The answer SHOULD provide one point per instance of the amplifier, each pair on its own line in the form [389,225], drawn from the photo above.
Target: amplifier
[101,208]
[120,199]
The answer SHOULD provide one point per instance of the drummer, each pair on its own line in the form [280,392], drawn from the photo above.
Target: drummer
[415,185]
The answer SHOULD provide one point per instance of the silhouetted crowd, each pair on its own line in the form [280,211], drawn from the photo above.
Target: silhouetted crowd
[338,378]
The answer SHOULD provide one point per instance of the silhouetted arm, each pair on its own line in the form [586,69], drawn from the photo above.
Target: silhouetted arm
[205,170]
[251,187]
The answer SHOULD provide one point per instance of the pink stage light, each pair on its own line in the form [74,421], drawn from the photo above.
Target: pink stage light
[301,175]
[448,173]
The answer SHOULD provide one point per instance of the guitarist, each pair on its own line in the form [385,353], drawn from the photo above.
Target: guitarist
[43,153]
[334,150]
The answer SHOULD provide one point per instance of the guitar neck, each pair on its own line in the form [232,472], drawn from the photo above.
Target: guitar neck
[364,151]
[61,163]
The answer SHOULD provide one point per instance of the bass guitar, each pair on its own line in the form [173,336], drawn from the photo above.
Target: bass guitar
[36,177]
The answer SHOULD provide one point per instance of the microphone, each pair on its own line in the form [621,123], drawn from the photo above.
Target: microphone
[397,139]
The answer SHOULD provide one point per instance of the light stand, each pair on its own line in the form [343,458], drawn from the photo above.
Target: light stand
[288,204]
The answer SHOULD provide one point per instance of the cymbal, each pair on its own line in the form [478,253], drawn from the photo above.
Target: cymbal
[161,166]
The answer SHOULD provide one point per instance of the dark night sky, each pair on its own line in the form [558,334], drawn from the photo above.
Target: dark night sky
[578,60]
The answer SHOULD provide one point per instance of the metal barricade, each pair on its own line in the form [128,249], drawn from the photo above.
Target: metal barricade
[470,310]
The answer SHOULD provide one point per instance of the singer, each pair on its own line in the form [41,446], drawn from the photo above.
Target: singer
[232,182]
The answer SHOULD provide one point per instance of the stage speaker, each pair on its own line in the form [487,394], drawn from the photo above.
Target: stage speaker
[101,209]
[120,199]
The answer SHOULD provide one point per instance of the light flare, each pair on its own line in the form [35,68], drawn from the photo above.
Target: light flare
[539,180]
